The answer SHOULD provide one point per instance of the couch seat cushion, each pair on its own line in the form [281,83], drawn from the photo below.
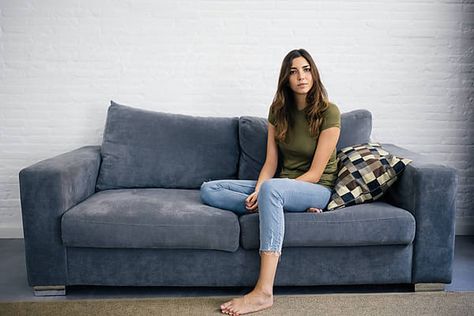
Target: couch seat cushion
[149,218]
[370,224]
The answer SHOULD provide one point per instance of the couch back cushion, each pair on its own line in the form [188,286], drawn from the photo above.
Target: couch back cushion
[147,149]
[356,127]
[253,144]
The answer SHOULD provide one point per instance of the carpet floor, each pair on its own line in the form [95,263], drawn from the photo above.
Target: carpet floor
[426,303]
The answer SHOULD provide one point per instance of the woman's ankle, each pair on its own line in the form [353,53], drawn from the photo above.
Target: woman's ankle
[264,291]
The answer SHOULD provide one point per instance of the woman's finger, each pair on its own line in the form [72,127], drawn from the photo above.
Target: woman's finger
[249,198]
[253,207]
[252,197]
[251,203]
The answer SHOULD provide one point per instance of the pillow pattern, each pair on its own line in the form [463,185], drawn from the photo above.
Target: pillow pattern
[366,171]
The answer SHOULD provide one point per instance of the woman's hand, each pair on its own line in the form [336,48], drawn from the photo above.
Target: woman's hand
[251,203]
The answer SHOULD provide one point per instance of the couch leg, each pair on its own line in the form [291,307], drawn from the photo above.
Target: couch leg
[429,287]
[50,290]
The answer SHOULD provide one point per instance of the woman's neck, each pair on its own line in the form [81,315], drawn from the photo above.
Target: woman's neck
[300,101]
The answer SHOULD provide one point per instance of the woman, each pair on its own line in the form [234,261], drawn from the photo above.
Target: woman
[305,126]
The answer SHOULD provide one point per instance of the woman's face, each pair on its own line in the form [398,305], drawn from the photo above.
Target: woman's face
[301,80]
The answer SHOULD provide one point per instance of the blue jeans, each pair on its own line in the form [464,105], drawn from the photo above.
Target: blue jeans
[275,195]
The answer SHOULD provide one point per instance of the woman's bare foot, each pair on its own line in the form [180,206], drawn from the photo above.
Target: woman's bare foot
[314,210]
[253,302]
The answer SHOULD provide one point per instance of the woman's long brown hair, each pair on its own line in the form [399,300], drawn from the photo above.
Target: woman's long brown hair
[316,99]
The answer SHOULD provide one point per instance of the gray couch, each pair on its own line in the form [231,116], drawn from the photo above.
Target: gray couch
[128,213]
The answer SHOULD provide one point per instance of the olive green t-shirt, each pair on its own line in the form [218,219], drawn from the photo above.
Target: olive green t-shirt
[298,151]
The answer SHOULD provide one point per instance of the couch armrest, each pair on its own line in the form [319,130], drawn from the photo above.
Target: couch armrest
[48,189]
[428,191]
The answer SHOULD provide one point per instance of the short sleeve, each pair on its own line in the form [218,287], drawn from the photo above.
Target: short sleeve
[271,116]
[331,117]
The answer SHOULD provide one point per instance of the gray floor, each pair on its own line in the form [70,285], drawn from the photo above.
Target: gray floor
[14,285]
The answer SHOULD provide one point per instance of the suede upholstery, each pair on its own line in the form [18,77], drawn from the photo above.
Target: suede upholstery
[146,149]
[372,224]
[134,218]
[390,264]
[253,144]
[428,191]
[48,189]
[149,218]
[356,127]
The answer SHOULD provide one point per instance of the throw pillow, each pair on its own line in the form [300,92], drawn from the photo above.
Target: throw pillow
[366,171]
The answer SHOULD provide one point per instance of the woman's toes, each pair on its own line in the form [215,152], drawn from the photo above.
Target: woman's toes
[226,307]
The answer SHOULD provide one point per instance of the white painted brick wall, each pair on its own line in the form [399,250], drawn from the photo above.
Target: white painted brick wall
[409,62]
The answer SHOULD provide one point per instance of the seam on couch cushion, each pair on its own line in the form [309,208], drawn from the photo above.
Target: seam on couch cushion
[355,221]
[132,224]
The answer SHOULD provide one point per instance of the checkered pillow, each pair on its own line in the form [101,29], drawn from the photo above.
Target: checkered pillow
[366,172]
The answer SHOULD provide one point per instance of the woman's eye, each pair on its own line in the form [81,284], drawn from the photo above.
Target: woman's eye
[307,69]
[292,72]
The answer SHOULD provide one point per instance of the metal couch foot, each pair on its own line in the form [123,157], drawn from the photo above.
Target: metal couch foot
[429,287]
[49,290]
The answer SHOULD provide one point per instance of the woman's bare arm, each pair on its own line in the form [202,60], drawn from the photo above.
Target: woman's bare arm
[271,160]
[268,169]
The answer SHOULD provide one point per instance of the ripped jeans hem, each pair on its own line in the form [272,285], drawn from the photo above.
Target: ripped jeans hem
[270,253]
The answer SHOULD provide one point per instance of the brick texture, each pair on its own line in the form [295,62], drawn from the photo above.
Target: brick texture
[409,62]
